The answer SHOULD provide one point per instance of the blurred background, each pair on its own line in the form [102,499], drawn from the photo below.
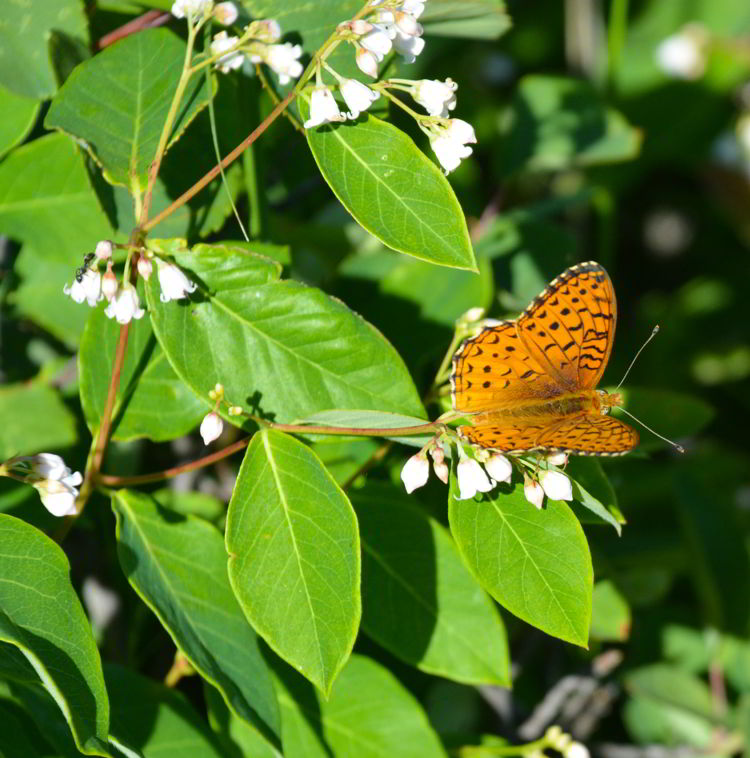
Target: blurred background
[614,131]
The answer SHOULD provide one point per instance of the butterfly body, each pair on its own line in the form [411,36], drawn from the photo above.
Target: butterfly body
[530,383]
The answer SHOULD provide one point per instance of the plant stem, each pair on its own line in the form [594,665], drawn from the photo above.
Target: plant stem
[350,431]
[617,29]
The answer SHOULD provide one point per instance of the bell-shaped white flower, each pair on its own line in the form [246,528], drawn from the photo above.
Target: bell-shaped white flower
[87,286]
[556,485]
[57,497]
[193,8]
[221,43]
[557,459]
[145,267]
[323,108]
[533,492]
[449,144]
[283,59]
[226,13]
[683,55]
[415,472]
[576,750]
[357,96]
[211,427]
[499,468]
[407,24]
[103,250]
[436,97]
[472,479]
[41,465]
[367,62]
[408,46]
[125,306]
[378,42]
[173,282]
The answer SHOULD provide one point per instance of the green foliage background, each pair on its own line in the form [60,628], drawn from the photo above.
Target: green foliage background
[586,150]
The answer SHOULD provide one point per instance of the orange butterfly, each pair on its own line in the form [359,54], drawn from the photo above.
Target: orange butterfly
[530,384]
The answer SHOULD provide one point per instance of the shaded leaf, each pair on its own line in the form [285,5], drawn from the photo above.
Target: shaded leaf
[42,616]
[610,616]
[19,115]
[117,102]
[419,600]
[194,601]
[294,559]
[473,19]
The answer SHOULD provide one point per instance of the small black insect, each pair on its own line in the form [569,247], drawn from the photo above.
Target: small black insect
[82,270]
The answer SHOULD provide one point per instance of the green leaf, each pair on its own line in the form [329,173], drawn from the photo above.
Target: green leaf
[194,601]
[294,558]
[152,401]
[42,616]
[18,732]
[19,115]
[156,720]
[40,298]
[117,102]
[419,600]
[344,457]
[46,200]
[25,65]
[557,122]
[368,715]
[35,420]
[610,617]
[473,19]
[291,350]
[392,189]
[535,563]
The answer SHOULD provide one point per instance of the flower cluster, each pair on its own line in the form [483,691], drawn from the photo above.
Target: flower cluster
[47,473]
[484,473]
[258,44]
[91,286]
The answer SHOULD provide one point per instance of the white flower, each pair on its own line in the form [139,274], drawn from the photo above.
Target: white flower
[323,108]
[109,284]
[556,485]
[414,7]
[174,284]
[449,144]
[283,60]
[103,250]
[89,288]
[557,459]
[378,42]
[533,492]
[182,8]
[357,96]
[472,479]
[221,43]
[408,47]
[367,62]
[499,468]
[211,427]
[576,750]
[57,497]
[101,602]
[125,305]
[43,465]
[436,97]
[145,267]
[415,472]
[226,13]
[683,55]
[360,27]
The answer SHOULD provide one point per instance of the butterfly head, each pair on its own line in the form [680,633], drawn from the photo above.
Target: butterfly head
[608,400]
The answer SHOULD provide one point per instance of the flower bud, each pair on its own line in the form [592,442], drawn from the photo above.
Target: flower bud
[103,250]
[471,479]
[499,468]
[226,13]
[533,492]
[556,485]
[441,471]
[145,267]
[367,62]
[109,283]
[557,459]
[211,427]
[360,27]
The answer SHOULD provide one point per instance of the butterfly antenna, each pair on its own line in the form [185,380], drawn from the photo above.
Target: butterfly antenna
[679,448]
[653,334]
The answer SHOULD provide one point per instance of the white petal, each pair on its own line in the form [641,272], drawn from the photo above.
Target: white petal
[449,152]
[357,96]
[367,62]
[472,479]
[103,250]
[173,282]
[408,47]
[415,472]
[534,493]
[57,498]
[460,131]
[577,750]
[226,13]
[323,108]
[499,468]
[283,60]
[556,485]
[557,459]
[378,43]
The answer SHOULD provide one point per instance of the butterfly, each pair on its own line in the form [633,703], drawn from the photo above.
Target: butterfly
[529,384]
